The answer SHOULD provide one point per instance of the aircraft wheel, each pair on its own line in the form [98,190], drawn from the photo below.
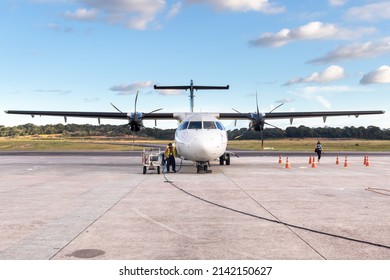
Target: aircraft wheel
[228,159]
[197,168]
[221,160]
[205,168]
[144,170]
[158,169]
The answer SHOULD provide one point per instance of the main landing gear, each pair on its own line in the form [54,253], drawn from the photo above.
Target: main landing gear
[225,158]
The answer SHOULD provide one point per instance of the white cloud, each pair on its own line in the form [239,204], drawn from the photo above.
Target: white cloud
[133,14]
[330,74]
[337,2]
[59,28]
[242,5]
[318,93]
[326,89]
[171,92]
[126,89]
[355,51]
[378,76]
[82,14]
[54,91]
[370,12]
[323,101]
[284,100]
[312,31]
[174,10]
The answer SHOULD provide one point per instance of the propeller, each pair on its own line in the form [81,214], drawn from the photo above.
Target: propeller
[135,119]
[257,122]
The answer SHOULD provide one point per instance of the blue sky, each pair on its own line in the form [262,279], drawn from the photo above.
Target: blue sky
[83,54]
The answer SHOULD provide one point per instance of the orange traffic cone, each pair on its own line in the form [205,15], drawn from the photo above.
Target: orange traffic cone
[337,160]
[313,164]
[311,159]
[346,162]
[280,159]
[367,161]
[287,163]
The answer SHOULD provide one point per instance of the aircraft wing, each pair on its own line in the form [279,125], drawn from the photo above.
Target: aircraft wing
[293,115]
[98,115]
[102,115]
[319,114]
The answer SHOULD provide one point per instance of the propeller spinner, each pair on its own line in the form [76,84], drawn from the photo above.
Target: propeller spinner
[257,122]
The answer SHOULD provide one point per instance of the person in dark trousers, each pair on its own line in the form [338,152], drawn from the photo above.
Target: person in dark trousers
[318,150]
[169,156]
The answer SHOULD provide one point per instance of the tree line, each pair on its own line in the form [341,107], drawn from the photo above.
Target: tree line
[86,130]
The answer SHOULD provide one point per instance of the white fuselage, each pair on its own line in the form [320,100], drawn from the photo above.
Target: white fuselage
[200,137]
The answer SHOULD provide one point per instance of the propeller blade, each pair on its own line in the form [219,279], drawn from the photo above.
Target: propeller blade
[245,132]
[262,140]
[236,111]
[135,103]
[116,108]
[257,105]
[153,111]
[274,126]
[276,107]
[132,145]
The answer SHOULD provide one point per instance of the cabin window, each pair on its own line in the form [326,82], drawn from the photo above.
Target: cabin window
[195,125]
[209,125]
[183,125]
[220,126]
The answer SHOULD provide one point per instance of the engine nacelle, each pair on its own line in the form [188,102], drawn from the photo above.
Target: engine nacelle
[135,122]
[256,126]
[257,122]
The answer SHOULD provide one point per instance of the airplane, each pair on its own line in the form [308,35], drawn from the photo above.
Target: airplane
[200,137]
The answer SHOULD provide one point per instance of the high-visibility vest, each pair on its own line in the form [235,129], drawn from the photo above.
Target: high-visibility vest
[170,151]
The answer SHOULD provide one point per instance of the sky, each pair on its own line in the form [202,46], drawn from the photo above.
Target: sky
[82,55]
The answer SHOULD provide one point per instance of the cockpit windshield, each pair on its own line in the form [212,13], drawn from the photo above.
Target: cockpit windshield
[195,125]
[201,125]
[209,125]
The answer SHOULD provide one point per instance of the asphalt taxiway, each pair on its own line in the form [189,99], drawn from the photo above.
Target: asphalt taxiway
[100,206]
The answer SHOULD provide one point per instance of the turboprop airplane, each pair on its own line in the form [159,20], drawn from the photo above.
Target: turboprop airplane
[200,137]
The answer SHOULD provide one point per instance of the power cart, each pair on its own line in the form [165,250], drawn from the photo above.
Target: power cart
[151,160]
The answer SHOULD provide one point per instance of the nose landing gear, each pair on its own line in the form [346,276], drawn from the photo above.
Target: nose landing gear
[203,167]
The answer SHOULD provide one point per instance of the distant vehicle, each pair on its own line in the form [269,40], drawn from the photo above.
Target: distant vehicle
[200,137]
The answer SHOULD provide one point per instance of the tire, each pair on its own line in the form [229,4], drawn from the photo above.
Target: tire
[158,169]
[221,160]
[227,159]
[144,171]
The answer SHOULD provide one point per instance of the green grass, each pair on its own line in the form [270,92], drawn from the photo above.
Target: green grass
[22,144]
[45,143]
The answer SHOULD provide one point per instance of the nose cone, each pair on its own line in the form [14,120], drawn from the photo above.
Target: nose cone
[207,146]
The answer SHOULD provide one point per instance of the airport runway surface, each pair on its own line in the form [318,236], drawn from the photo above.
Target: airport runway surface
[100,206]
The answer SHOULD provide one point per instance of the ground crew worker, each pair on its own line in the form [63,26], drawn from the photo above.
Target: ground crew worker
[169,156]
[318,150]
